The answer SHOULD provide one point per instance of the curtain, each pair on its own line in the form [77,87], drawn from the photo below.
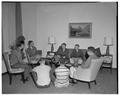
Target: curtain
[18,20]
[8,25]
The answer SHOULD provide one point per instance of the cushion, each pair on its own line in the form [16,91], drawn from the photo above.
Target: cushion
[98,52]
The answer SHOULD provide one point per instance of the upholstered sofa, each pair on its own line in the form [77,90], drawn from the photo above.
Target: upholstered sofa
[97,51]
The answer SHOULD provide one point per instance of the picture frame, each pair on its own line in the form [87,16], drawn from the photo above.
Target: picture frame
[80,30]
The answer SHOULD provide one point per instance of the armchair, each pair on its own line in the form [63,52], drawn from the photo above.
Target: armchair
[88,74]
[12,71]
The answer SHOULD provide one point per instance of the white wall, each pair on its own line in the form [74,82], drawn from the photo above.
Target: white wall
[29,21]
[47,19]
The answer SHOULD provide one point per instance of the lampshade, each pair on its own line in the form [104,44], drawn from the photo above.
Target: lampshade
[51,40]
[108,41]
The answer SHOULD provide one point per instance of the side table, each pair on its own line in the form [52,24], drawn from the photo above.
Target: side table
[107,62]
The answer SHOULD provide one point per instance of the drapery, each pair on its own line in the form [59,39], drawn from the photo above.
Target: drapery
[18,20]
[11,23]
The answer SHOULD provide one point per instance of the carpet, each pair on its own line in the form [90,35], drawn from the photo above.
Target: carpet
[106,84]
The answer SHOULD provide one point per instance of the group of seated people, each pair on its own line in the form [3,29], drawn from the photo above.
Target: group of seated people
[43,73]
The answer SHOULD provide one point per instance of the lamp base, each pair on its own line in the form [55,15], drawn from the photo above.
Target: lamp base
[107,51]
[52,48]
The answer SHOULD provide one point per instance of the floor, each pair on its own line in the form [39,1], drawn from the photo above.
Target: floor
[106,84]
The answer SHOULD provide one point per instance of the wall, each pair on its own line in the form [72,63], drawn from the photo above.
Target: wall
[29,21]
[47,19]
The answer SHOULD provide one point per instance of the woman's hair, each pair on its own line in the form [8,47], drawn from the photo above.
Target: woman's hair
[64,44]
[29,42]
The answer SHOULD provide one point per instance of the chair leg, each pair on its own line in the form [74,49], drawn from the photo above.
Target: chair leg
[89,85]
[22,77]
[10,79]
[95,82]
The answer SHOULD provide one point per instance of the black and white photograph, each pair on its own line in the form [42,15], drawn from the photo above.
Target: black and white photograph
[59,47]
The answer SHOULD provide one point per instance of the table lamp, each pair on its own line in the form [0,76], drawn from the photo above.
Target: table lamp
[52,41]
[108,41]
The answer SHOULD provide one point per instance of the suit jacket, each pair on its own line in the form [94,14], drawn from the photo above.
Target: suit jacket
[32,51]
[78,54]
[62,53]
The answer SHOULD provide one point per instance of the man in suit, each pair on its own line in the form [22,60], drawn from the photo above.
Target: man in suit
[77,56]
[32,51]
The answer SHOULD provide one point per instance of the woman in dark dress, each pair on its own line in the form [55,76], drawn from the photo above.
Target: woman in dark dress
[62,53]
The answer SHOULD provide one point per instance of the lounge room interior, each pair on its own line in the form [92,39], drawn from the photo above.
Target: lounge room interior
[51,25]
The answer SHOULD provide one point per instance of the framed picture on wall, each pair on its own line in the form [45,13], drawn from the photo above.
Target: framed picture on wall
[80,30]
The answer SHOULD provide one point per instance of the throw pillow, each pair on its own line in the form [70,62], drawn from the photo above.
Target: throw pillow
[98,52]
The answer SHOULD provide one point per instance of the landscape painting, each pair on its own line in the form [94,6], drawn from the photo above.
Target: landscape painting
[80,30]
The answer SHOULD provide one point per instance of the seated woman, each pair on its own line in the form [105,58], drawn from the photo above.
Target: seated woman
[41,74]
[86,64]
[32,51]
[77,56]
[62,52]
